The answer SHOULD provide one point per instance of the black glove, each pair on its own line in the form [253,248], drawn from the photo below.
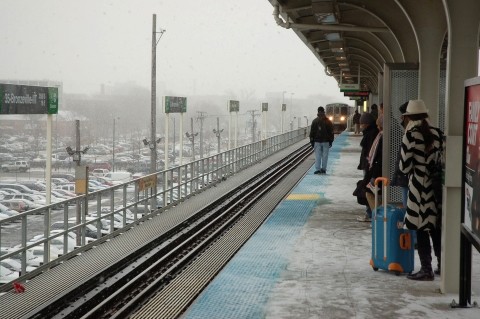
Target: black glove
[329,144]
[312,143]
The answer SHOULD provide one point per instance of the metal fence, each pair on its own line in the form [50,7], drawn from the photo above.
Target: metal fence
[46,236]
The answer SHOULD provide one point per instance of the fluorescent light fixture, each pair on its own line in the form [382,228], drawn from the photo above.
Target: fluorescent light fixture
[337,46]
[334,36]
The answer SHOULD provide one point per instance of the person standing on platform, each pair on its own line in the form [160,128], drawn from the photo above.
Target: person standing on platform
[374,170]
[356,121]
[321,138]
[422,147]
[400,179]
[374,111]
[369,131]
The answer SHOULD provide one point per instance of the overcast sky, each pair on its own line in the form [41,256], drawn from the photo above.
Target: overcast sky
[209,47]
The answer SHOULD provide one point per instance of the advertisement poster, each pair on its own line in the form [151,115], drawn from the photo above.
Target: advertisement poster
[472,157]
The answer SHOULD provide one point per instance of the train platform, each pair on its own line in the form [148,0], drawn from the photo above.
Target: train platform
[310,259]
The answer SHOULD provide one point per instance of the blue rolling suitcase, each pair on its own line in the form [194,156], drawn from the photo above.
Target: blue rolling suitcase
[392,246]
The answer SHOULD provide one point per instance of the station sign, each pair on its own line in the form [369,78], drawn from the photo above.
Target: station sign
[264,107]
[25,99]
[175,104]
[357,93]
[347,87]
[233,106]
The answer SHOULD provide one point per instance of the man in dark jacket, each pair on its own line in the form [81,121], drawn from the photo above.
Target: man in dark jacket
[321,138]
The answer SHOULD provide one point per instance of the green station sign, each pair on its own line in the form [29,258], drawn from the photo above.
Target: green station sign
[25,99]
[234,106]
[175,104]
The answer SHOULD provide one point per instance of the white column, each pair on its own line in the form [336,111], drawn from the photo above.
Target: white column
[430,34]
[462,64]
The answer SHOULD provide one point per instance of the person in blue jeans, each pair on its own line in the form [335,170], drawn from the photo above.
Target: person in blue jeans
[321,139]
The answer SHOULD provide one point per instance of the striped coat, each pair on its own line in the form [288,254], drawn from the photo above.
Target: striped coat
[421,208]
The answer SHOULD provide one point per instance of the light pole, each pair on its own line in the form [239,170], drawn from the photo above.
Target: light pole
[306,118]
[291,106]
[217,133]
[113,149]
[153,144]
[191,137]
[283,112]
[174,151]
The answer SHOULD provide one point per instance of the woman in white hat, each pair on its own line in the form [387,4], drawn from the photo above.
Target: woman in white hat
[422,145]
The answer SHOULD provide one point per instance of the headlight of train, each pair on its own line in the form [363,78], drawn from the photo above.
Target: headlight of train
[342,118]
[330,118]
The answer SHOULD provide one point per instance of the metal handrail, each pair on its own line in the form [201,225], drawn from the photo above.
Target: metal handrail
[173,185]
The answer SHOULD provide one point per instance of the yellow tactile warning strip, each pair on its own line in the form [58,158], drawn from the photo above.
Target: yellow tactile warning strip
[303,197]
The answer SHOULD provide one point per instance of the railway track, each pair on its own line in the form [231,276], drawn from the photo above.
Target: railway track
[165,277]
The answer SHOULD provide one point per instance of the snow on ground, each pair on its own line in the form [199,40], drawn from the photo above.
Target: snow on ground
[329,276]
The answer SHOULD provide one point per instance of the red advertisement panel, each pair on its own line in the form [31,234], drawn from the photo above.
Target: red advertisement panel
[472,158]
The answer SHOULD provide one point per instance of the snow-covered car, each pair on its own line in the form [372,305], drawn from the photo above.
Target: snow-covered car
[14,265]
[7,275]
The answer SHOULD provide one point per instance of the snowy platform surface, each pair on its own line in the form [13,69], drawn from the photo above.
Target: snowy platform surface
[310,259]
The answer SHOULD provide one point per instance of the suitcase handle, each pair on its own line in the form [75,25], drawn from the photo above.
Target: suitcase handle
[382,179]
[385,182]
[405,241]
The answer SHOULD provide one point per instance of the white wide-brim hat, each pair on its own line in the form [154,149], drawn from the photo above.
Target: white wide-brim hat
[416,107]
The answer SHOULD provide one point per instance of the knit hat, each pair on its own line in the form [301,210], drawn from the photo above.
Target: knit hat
[367,119]
[416,107]
[321,109]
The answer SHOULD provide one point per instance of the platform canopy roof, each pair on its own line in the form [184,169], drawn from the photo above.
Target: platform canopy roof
[352,38]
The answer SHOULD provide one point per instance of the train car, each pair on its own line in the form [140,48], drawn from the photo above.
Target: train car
[338,113]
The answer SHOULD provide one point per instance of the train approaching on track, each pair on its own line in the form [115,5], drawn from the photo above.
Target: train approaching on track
[339,113]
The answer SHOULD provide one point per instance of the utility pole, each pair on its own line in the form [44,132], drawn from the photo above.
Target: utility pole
[174,152]
[191,137]
[253,113]
[201,117]
[77,156]
[113,149]
[291,107]
[153,116]
[217,133]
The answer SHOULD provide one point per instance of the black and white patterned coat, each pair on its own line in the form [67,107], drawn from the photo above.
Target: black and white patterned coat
[414,161]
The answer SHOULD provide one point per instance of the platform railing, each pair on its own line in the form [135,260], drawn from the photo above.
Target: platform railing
[47,236]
